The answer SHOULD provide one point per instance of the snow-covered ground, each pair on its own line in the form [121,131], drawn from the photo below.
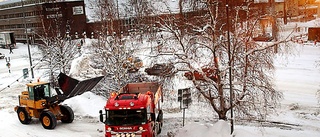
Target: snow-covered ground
[296,76]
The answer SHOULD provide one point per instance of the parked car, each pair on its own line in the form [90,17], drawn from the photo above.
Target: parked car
[1,56]
[164,69]
[265,37]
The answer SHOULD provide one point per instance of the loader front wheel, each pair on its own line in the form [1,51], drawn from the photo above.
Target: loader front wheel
[48,120]
[23,115]
[67,114]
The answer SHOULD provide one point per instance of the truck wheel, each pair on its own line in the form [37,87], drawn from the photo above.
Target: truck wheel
[155,133]
[67,114]
[23,115]
[160,121]
[48,120]
[160,128]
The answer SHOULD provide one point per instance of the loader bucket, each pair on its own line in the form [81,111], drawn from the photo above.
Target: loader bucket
[72,87]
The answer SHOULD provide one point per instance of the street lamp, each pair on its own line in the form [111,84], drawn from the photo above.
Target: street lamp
[25,28]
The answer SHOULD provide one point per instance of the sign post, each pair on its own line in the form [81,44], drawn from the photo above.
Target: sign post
[8,63]
[184,97]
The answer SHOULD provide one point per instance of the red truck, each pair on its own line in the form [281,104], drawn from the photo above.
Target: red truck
[134,111]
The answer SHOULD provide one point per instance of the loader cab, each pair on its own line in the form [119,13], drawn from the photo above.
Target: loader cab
[39,90]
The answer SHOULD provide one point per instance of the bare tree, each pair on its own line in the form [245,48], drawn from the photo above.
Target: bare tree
[318,92]
[57,55]
[58,50]
[203,48]
[113,51]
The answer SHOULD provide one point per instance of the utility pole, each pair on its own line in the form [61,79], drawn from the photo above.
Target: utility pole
[230,67]
[273,23]
[27,39]
[284,12]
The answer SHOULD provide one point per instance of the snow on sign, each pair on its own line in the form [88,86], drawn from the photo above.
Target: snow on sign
[184,97]
[77,10]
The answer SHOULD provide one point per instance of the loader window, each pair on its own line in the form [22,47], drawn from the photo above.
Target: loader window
[31,93]
[41,92]
[47,91]
[126,117]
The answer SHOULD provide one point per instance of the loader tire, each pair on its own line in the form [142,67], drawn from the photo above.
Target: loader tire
[67,114]
[23,115]
[48,120]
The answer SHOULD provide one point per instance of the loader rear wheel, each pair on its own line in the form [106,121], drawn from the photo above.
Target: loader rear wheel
[23,115]
[48,120]
[67,114]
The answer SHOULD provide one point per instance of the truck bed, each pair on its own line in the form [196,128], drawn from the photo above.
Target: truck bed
[140,87]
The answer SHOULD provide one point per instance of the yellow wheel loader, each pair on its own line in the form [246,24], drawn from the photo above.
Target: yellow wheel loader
[38,102]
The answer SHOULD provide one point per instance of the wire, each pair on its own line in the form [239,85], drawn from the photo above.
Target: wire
[41,60]
[22,75]
[10,84]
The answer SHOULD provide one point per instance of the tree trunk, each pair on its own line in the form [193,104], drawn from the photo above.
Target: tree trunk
[222,115]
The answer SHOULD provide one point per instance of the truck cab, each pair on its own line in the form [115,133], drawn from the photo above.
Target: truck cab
[7,39]
[132,113]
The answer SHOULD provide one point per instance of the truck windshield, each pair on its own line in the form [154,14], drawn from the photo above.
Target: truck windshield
[126,117]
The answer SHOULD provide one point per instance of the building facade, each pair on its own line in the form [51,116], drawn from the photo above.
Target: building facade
[58,18]
[42,18]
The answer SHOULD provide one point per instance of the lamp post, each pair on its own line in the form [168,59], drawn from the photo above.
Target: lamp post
[230,67]
[27,40]
[318,10]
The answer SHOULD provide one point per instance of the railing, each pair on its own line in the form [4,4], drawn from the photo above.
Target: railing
[26,2]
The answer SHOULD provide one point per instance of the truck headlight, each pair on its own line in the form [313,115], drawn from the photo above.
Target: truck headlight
[141,128]
[109,129]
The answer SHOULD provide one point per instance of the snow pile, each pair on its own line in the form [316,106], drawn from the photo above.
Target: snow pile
[218,129]
[86,104]
[79,64]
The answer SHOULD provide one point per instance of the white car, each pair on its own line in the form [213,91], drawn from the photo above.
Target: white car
[1,56]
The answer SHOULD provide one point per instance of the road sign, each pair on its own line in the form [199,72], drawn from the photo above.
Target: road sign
[25,73]
[179,95]
[184,97]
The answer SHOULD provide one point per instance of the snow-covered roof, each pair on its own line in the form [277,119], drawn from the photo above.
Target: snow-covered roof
[266,1]
[164,6]
[8,1]
[13,1]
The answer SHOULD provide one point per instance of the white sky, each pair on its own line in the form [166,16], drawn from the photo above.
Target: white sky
[296,76]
